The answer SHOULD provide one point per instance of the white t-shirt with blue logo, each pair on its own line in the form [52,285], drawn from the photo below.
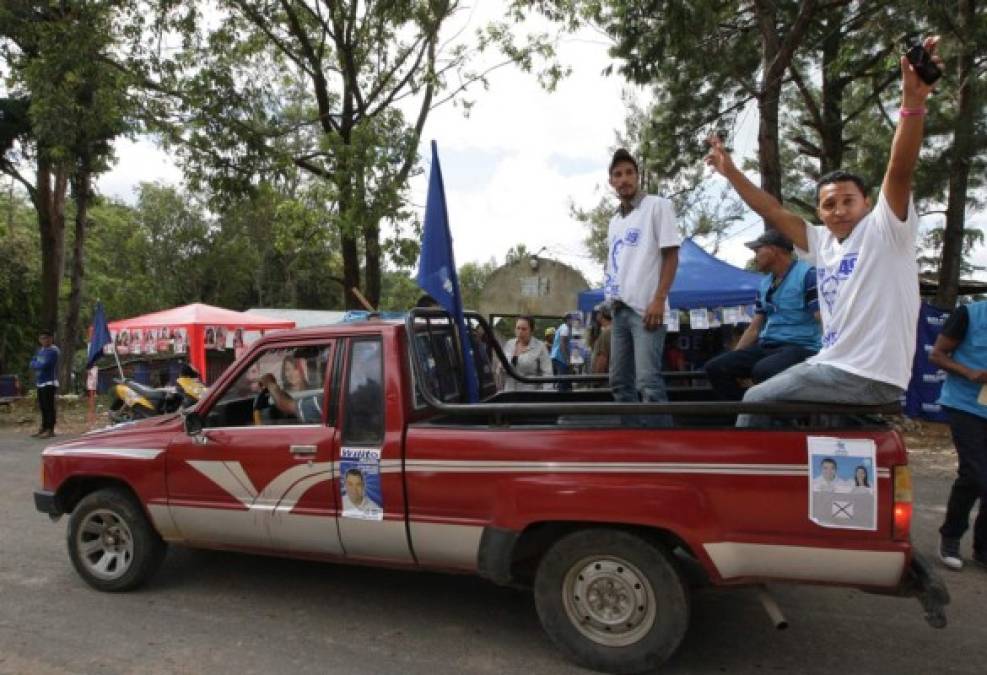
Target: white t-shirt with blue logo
[868,295]
[635,241]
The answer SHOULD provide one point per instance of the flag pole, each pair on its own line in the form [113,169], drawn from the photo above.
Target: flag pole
[117,357]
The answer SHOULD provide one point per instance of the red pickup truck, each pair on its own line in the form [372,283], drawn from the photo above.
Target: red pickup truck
[366,452]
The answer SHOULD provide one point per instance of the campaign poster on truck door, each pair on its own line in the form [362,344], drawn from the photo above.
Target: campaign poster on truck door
[359,483]
[842,483]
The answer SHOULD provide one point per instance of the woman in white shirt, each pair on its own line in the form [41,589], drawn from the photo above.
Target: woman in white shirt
[527,355]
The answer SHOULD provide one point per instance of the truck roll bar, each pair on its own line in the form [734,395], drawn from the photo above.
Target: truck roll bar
[698,409]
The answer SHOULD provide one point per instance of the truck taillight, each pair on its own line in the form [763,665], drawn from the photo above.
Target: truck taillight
[902,503]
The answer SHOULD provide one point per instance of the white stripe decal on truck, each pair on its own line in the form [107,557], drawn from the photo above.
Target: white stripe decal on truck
[807,563]
[508,466]
[124,453]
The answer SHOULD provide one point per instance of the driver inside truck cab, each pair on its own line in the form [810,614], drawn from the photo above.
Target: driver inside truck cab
[305,406]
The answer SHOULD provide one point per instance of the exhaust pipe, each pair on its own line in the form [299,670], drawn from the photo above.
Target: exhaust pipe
[771,607]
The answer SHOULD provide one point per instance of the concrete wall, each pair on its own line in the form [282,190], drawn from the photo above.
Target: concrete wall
[550,289]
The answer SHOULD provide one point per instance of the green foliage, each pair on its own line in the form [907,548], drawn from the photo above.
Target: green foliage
[20,285]
[596,220]
[932,244]
[340,90]
[516,253]
[399,291]
[472,278]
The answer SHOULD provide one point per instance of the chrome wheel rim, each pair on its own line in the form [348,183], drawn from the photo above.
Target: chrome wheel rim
[105,545]
[609,600]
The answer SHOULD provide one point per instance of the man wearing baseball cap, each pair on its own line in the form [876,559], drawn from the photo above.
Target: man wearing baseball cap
[785,329]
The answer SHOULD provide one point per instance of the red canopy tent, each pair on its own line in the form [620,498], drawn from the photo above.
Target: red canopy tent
[195,319]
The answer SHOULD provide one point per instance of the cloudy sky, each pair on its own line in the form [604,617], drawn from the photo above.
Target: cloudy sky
[513,166]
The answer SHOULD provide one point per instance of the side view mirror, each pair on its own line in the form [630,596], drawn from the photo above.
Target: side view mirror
[193,423]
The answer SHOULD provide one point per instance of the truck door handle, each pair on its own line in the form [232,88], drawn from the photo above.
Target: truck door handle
[302,450]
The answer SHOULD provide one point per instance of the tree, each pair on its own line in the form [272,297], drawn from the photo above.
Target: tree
[72,105]
[20,283]
[321,86]
[746,49]
[516,253]
[966,156]
[473,277]
[931,262]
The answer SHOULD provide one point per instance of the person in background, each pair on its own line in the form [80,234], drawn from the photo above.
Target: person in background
[527,355]
[643,241]
[600,356]
[562,351]
[961,350]
[785,328]
[45,367]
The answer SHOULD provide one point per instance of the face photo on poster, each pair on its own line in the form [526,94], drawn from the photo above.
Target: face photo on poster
[180,340]
[150,342]
[221,336]
[698,319]
[360,487]
[123,341]
[732,315]
[163,337]
[209,337]
[672,321]
[842,482]
[136,341]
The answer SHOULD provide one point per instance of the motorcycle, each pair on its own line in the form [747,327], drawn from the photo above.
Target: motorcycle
[134,401]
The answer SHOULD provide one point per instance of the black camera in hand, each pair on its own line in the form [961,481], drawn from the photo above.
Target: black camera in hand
[922,62]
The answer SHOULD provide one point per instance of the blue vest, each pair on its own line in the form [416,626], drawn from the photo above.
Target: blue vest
[959,392]
[787,319]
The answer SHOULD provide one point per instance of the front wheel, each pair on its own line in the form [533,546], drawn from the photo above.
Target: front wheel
[611,600]
[111,544]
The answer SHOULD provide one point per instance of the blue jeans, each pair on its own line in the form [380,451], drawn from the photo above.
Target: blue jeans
[635,365]
[561,368]
[758,362]
[816,383]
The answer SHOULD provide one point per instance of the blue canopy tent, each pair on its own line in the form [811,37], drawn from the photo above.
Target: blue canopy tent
[702,280]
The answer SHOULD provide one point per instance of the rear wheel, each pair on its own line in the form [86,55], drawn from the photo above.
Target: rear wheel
[612,600]
[111,544]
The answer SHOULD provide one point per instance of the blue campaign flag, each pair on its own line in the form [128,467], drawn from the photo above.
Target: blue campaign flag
[437,268]
[101,336]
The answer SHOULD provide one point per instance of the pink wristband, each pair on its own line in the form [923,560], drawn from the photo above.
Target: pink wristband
[911,112]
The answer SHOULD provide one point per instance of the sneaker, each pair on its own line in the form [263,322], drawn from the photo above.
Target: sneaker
[47,434]
[949,553]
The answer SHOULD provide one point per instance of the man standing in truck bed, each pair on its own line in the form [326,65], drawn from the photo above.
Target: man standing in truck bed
[867,273]
[643,257]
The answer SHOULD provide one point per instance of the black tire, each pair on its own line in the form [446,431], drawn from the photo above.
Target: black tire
[632,604]
[112,545]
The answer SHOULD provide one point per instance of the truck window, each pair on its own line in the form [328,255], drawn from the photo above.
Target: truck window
[364,415]
[300,372]
[437,351]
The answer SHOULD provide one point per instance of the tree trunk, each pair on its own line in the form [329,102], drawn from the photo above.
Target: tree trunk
[372,264]
[70,335]
[52,186]
[768,155]
[833,86]
[963,149]
[768,100]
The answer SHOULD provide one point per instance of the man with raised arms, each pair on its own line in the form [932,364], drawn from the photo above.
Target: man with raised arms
[866,267]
